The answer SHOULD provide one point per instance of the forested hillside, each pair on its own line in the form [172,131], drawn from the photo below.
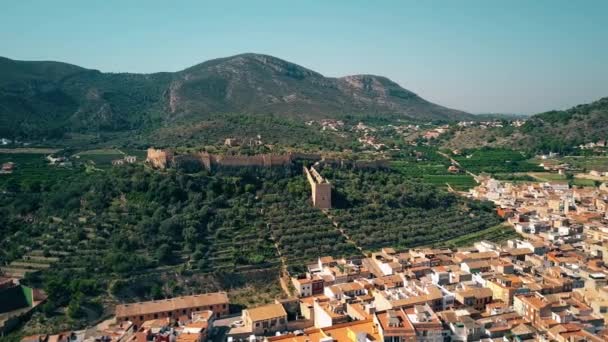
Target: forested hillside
[113,234]
[557,131]
[51,99]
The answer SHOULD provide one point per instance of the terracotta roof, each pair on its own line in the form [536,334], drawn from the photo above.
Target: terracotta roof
[483,292]
[178,303]
[265,312]
[346,287]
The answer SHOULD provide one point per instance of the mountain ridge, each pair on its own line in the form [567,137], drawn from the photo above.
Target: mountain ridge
[47,95]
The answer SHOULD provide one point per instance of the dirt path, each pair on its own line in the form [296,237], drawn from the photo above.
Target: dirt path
[455,162]
[284,276]
[341,231]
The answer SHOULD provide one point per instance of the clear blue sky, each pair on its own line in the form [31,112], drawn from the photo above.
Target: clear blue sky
[479,56]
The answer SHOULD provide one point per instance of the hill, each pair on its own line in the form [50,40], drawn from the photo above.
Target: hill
[557,131]
[500,116]
[47,99]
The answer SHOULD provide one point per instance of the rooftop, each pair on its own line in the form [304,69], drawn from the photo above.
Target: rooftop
[171,304]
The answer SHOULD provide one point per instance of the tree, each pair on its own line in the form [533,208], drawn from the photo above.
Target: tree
[164,254]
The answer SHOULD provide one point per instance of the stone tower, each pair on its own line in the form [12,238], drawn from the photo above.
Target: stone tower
[320,188]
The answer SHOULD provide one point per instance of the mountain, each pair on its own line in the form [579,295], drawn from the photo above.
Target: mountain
[557,130]
[49,98]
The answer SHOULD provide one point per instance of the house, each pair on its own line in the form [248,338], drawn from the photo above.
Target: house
[533,307]
[426,323]
[130,159]
[308,286]
[232,142]
[345,291]
[394,326]
[172,308]
[328,313]
[362,330]
[265,319]
[473,297]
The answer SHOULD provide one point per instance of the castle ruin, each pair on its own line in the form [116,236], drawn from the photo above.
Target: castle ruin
[160,159]
[320,188]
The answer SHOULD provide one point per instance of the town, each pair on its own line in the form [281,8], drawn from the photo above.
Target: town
[548,285]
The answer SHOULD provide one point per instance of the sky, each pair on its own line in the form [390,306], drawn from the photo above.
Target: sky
[479,56]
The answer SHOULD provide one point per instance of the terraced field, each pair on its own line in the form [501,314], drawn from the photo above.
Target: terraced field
[303,233]
[382,209]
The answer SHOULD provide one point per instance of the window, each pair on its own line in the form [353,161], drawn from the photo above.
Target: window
[155,315]
[184,311]
[141,318]
[257,324]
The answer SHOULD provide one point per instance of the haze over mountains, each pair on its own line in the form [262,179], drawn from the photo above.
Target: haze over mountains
[45,95]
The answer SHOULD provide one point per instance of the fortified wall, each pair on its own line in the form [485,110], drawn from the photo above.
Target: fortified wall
[165,158]
[162,159]
[259,160]
[320,189]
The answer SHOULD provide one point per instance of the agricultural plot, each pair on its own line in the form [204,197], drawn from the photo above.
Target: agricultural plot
[489,160]
[434,173]
[557,178]
[514,177]
[238,238]
[461,182]
[582,163]
[31,168]
[101,157]
[496,234]
[303,233]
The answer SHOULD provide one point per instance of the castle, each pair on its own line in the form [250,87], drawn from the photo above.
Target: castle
[321,189]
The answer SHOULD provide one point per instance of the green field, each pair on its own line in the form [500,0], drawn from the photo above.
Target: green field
[498,233]
[514,177]
[491,160]
[460,182]
[31,168]
[100,157]
[583,163]
[554,177]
